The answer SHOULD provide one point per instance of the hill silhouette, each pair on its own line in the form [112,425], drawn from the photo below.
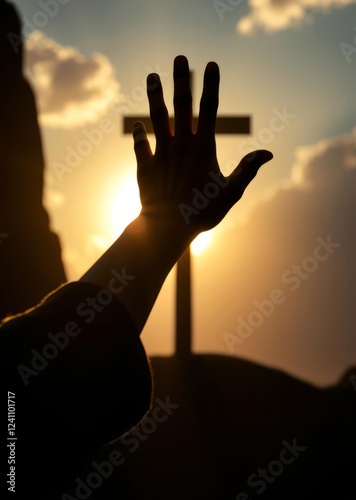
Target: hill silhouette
[30,254]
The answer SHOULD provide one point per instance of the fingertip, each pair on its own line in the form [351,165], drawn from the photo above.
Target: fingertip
[260,156]
[212,66]
[141,145]
[180,59]
[265,155]
[138,126]
[153,81]
[139,133]
[212,74]
[251,163]
[180,67]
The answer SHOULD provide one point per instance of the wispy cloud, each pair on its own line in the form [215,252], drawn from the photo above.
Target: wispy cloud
[72,89]
[276,15]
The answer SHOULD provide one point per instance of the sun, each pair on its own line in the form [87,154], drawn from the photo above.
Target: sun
[201,243]
[125,205]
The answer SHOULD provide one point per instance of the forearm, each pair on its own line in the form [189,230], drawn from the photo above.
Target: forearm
[184,164]
[135,267]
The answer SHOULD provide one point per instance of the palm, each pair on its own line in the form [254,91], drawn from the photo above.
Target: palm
[182,178]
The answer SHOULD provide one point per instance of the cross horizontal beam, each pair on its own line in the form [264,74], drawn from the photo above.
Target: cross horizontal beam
[224,124]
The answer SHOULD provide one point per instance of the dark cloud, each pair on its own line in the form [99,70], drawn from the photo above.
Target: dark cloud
[301,241]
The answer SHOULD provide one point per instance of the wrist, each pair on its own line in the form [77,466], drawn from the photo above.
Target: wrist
[166,229]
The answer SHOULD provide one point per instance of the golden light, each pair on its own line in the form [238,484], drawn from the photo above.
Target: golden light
[125,205]
[201,242]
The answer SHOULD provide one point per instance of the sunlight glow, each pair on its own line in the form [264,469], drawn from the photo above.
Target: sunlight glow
[125,206]
[201,243]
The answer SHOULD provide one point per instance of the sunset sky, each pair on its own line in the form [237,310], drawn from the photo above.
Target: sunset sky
[291,67]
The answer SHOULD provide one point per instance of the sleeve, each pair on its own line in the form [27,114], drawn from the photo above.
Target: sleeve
[77,360]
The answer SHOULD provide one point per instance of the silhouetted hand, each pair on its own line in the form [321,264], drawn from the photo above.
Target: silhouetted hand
[181,187]
[182,179]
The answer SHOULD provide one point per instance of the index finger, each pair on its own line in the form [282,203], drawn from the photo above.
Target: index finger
[158,109]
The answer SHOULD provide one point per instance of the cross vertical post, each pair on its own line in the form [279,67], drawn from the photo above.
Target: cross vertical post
[183,338]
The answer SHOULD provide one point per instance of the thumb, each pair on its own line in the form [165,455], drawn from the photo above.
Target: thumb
[141,144]
[246,170]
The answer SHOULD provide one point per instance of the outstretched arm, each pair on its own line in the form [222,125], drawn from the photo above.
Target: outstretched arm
[183,165]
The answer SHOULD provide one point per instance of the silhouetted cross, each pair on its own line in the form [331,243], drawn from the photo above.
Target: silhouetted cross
[224,125]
